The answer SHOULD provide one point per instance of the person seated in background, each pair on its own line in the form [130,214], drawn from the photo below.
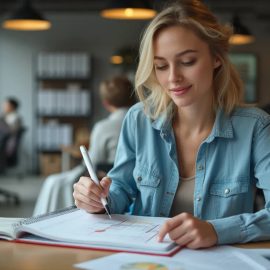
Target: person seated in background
[10,115]
[10,124]
[117,96]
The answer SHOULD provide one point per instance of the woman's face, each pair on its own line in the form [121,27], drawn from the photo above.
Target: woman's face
[184,66]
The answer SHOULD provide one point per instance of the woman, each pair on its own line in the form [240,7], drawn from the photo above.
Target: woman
[189,150]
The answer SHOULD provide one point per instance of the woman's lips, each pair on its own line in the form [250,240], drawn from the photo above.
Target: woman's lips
[180,90]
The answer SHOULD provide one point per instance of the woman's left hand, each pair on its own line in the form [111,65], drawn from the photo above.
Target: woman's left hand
[188,231]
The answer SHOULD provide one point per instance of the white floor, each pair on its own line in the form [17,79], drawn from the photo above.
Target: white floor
[27,189]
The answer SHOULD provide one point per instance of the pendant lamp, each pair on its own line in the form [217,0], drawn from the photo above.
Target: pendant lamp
[26,18]
[129,10]
[241,34]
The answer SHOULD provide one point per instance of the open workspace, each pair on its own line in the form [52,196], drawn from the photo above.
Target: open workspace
[141,126]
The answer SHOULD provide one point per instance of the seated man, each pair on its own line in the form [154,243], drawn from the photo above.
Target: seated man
[117,96]
[10,124]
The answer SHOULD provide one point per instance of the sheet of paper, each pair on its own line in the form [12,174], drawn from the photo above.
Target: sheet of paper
[217,258]
[256,257]
[126,261]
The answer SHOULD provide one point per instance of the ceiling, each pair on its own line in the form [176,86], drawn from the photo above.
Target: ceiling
[220,6]
[256,9]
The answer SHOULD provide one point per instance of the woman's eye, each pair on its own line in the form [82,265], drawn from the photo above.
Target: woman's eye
[160,67]
[188,63]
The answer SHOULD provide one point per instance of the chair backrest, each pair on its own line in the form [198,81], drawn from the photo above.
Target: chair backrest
[12,147]
[3,142]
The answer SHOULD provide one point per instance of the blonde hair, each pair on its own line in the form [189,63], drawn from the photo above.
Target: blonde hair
[194,15]
[118,92]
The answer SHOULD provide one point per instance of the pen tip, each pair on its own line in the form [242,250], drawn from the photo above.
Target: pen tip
[108,210]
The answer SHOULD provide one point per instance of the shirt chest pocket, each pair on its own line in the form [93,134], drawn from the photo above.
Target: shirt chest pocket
[228,199]
[228,189]
[147,182]
[146,178]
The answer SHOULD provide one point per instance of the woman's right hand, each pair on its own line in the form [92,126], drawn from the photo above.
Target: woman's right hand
[87,194]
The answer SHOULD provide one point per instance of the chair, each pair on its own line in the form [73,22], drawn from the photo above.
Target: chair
[10,152]
[56,191]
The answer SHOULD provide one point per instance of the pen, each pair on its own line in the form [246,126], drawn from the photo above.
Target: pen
[93,176]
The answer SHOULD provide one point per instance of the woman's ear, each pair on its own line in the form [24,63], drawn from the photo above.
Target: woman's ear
[217,62]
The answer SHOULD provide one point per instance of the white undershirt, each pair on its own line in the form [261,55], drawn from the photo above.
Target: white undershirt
[184,197]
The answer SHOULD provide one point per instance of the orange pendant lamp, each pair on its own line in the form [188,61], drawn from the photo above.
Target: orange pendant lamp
[26,18]
[129,10]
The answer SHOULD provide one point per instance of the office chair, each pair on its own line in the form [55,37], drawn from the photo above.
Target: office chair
[10,153]
[13,146]
[56,191]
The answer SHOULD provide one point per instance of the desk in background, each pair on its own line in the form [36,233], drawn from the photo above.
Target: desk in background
[32,257]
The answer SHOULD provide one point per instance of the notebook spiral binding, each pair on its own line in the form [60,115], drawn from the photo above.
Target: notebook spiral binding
[34,219]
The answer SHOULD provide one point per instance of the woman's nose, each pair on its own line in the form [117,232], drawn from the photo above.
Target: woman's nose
[175,74]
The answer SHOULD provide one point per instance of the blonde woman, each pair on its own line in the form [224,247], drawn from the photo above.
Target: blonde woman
[189,150]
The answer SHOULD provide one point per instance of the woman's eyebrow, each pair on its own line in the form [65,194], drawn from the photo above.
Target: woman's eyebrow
[177,55]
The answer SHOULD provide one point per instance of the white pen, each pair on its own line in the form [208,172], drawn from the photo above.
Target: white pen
[93,175]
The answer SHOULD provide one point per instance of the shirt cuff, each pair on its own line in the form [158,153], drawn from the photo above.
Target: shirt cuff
[229,230]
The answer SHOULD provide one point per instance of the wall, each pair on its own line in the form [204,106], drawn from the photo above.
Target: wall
[260,48]
[78,32]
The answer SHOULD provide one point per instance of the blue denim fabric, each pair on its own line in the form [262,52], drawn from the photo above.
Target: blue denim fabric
[230,163]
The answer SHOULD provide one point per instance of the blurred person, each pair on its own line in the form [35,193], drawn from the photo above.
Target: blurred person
[10,116]
[10,125]
[117,96]
[10,120]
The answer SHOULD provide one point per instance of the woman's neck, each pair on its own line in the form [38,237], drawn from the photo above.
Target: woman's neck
[191,120]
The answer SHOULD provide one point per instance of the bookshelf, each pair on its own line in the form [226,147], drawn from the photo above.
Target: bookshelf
[63,105]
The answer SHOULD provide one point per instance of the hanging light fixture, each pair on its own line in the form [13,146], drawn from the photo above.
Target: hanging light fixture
[26,18]
[241,34]
[129,10]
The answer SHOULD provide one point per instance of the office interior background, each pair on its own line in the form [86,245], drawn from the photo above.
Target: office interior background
[77,27]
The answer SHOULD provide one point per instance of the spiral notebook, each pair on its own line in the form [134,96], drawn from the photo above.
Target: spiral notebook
[73,227]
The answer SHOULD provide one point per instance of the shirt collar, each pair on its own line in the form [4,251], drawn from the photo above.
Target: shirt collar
[222,126]
[162,123]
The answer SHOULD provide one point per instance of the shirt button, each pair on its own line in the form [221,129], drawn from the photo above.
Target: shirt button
[200,167]
[227,191]
[198,198]
[139,178]
[164,135]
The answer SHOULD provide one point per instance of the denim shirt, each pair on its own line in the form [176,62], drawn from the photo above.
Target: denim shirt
[230,162]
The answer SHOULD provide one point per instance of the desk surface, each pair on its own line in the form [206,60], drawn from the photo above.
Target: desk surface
[32,257]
